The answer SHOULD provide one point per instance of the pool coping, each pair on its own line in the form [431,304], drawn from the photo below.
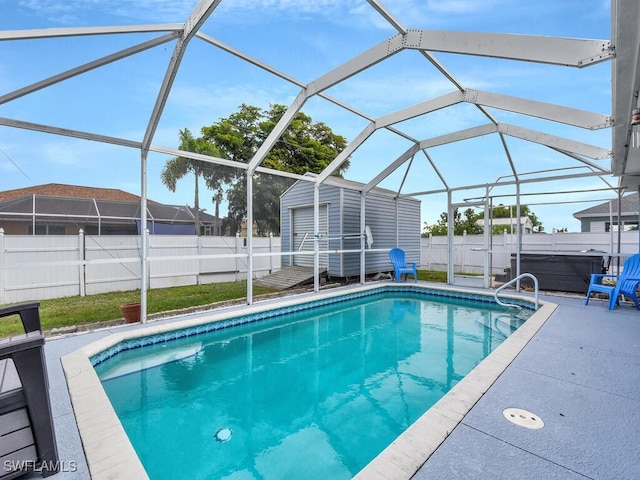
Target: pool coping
[109,452]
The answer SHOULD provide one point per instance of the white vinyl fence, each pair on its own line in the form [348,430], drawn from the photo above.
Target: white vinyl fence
[469,250]
[52,266]
[40,267]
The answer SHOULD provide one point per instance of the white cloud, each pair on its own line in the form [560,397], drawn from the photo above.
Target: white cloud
[324,7]
[65,12]
[197,106]
[8,163]
[407,10]
[349,14]
[457,6]
[81,155]
[380,94]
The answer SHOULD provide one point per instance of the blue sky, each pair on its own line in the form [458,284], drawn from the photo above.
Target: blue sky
[304,39]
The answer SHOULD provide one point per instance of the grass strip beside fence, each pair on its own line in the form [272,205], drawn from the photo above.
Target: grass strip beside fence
[92,309]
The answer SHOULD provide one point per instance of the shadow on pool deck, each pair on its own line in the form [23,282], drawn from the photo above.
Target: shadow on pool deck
[579,374]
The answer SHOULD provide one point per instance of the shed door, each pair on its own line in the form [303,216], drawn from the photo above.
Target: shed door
[303,235]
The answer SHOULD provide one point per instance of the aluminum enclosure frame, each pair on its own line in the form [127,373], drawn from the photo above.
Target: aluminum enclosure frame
[622,50]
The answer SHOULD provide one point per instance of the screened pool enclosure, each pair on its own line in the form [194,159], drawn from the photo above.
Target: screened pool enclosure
[540,148]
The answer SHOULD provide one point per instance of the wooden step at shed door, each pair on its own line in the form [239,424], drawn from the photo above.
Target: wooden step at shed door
[288,277]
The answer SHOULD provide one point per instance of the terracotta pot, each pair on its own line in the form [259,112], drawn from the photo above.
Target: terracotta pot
[131,312]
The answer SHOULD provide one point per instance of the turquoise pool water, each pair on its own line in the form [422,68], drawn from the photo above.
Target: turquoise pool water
[316,393]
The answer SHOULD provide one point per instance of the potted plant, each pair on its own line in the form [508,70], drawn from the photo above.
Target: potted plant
[131,312]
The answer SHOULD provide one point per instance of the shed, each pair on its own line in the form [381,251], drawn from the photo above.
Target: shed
[393,221]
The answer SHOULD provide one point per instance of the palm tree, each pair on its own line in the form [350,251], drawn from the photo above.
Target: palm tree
[217,200]
[178,167]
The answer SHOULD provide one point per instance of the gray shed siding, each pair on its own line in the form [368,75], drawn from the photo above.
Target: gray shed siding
[303,240]
[351,224]
[386,216]
[295,196]
[301,195]
[383,215]
[380,215]
[409,228]
[333,196]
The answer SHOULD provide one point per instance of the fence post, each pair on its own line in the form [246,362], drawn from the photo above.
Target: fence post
[238,249]
[199,248]
[270,253]
[146,257]
[463,249]
[2,270]
[81,267]
[506,248]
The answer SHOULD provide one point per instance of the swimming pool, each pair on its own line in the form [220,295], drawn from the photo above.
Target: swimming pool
[376,359]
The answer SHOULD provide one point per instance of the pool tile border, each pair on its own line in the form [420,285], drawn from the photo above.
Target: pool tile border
[208,326]
[110,454]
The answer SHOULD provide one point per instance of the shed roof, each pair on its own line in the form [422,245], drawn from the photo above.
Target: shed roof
[341,182]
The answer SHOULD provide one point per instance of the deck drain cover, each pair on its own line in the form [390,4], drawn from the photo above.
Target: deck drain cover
[523,418]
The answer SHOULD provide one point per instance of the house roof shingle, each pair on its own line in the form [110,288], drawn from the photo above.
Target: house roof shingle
[80,203]
[70,191]
[629,207]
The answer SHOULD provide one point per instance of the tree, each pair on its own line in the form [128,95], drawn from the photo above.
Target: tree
[303,147]
[266,203]
[469,222]
[500,229]
[178,167]
[461,224]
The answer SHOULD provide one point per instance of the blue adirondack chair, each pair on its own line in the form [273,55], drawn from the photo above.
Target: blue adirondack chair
[400,266]
[626,283]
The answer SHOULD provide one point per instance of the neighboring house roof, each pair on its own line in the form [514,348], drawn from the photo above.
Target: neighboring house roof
[70,191]
[72,202]
[629,207]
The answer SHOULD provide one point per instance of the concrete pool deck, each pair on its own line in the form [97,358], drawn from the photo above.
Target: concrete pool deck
[579,374]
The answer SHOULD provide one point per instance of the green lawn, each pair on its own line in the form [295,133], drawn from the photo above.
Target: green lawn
[431,276]
[69,311]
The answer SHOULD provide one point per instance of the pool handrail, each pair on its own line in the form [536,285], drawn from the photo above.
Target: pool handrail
[513,280]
